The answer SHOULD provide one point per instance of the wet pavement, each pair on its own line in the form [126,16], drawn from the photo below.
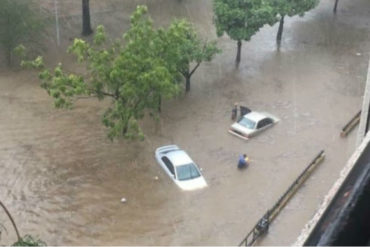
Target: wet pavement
[63,180]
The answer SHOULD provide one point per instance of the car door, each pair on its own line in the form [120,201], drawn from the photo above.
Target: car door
[168,167]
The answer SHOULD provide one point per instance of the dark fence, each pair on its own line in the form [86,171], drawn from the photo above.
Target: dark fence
[351,124]
[262,226]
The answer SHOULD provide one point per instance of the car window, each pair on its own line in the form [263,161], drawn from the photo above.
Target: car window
[269,121]
[246,122]
[169,165]
[264,122]
[261,124]
[186,172]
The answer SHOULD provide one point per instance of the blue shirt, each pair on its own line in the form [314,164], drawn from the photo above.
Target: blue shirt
[241,162]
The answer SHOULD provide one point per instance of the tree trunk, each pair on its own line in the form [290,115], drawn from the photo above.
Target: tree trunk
[238,55]
[187,85]
[160,103]
[335,6]
[280,31]
[8,55]
[86,26]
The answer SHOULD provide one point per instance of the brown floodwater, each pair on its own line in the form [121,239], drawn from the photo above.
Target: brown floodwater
[63,180]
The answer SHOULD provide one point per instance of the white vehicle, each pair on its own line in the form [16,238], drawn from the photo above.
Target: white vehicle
[179,166]
[252,123]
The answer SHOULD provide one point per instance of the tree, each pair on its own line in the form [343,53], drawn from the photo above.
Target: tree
[291,8]
[86,26]
[135,73]
[135,76]
[18,24]
[241,19]
[184,47]
[27,240]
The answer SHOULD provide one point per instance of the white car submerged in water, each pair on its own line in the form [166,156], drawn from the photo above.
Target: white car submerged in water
[180,167]
[252,123]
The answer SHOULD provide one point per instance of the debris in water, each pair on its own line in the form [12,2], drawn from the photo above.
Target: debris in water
[156,178]
[123,200]
[358,54]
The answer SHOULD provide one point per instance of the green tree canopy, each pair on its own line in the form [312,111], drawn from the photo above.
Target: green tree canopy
[29,240]
[241,19]
[184,47]
[134,76]
[135,72]
[291,8]
[18,24]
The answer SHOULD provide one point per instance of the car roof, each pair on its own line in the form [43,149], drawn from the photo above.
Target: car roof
[179,157]
[255,116]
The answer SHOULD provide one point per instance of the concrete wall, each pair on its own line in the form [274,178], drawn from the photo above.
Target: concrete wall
[364,123]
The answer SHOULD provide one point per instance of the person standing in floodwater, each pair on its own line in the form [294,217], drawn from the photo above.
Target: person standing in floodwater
[243,161]
[234,112]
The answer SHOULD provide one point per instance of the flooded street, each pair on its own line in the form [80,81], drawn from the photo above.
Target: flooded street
[62,179]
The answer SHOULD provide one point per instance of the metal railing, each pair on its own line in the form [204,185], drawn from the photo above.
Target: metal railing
[351,124]
[262,226]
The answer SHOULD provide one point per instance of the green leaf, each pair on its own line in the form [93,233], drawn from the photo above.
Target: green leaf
[241,19]
[136,72]
[28,240]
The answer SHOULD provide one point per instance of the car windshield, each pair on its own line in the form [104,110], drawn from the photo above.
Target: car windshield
[186,172]
[246,122]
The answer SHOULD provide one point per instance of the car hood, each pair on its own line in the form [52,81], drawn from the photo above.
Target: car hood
[242,129]
[192,184]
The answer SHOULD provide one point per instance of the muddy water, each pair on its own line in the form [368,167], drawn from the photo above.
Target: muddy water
[63,180]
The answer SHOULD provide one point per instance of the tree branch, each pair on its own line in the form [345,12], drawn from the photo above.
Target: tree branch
[195,68]
[109,94]
[95,92]
[183,73]
[12,220]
